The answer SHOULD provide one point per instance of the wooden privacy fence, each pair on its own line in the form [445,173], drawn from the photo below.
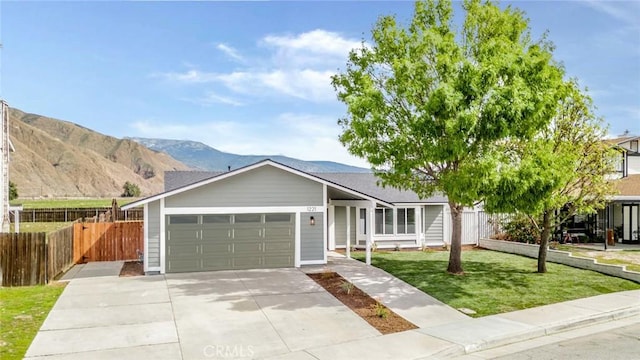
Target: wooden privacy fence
[107,241]
[73,214]
[34,258]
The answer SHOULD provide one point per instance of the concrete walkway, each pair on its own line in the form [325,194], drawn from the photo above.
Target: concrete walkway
[449,332]
[93,269]
[283,314]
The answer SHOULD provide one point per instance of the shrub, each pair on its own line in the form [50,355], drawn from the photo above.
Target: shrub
[519,228]
[130,190]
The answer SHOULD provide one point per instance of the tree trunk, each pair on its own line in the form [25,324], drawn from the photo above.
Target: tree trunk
[455,260]
[544,242]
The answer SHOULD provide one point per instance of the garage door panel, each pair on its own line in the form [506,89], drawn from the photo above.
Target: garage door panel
[247,262]
[217,263]
[182,235]
[212,248]
[241,248]
[278,246]
[183,265]
[279,232]
[273,261]
[182,250]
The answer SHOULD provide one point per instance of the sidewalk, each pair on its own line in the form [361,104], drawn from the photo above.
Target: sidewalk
[444,332]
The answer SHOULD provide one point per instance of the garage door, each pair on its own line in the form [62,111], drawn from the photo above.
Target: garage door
[229,241]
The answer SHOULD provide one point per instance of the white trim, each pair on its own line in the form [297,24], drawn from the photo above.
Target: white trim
[246,169]
[296,253]
[162,238]
[155,268]
[145,214]
[370,218]
[313,262]
[409,204]
[332,228]
[348,244]
[626,198]
[325,210]
[242,210]
[418,225]
[361,203]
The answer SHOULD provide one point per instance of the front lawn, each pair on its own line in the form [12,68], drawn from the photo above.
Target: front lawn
[494,282]
[23,312]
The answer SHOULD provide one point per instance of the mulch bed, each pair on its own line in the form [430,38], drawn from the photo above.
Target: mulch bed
[362,304]
[132,268]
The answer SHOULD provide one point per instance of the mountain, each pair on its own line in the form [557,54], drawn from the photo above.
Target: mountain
[56,158]
[204,157]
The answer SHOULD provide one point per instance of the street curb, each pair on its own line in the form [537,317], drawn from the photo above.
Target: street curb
[551,329]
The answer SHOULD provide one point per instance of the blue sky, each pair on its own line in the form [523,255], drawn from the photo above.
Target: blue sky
[253,77]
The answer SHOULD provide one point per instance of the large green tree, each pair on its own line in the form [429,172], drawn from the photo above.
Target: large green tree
[562,171]
[426,104]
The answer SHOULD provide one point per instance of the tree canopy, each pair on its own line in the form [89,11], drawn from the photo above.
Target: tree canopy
[566,166]
[426,104]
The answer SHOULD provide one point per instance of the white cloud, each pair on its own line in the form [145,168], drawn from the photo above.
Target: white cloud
[230,52]
[212,98]
[297,66]
[625,11]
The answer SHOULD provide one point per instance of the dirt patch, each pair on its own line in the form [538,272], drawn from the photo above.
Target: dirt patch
[132,268]
[368,308]
[631,257]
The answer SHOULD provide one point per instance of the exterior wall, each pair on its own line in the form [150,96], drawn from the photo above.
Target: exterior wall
[311,237]
[153,241]
[560,257]
[633,164]
[433,225]
[264,186]
[341,225]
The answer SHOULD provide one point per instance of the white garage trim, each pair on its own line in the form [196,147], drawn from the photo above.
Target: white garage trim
[240,210]
[162,237]
[297,210]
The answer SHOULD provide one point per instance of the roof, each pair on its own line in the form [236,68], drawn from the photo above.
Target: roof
[364,184]
[629,185]
[367,183]
[621,139]
[207,178]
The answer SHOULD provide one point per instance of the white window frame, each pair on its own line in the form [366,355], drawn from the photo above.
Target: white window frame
[384,222]
[406,221]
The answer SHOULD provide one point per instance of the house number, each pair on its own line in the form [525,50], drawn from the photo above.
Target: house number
[311,208]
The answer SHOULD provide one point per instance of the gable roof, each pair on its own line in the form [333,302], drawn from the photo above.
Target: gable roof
[208,178]
[628,186]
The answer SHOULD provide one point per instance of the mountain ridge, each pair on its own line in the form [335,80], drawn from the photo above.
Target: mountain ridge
[204,157]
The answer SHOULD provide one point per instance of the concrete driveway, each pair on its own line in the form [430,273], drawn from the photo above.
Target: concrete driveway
[227,314]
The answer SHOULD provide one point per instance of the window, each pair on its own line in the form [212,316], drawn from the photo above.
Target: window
[384,221]
[216,219]
[183,219]
[407,221]
[634,145]
[248,218]
[363,221]
[277,218]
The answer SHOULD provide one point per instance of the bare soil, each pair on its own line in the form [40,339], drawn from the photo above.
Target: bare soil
[362,304]
[132,268]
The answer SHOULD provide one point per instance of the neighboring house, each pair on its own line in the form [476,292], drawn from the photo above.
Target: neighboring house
[271,215]
[622,213]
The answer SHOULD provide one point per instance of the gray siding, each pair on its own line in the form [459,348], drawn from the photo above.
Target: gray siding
[311,237]
[433,220]
[341,225]
[264,186]
[153,247]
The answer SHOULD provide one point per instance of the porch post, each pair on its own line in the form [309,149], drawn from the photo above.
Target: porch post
[370,218]
[418,225]
[332,227]
[348,251]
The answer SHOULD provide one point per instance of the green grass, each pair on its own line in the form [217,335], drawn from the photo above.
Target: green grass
[69,203]
[495,282]
[23,312]
[40,226]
